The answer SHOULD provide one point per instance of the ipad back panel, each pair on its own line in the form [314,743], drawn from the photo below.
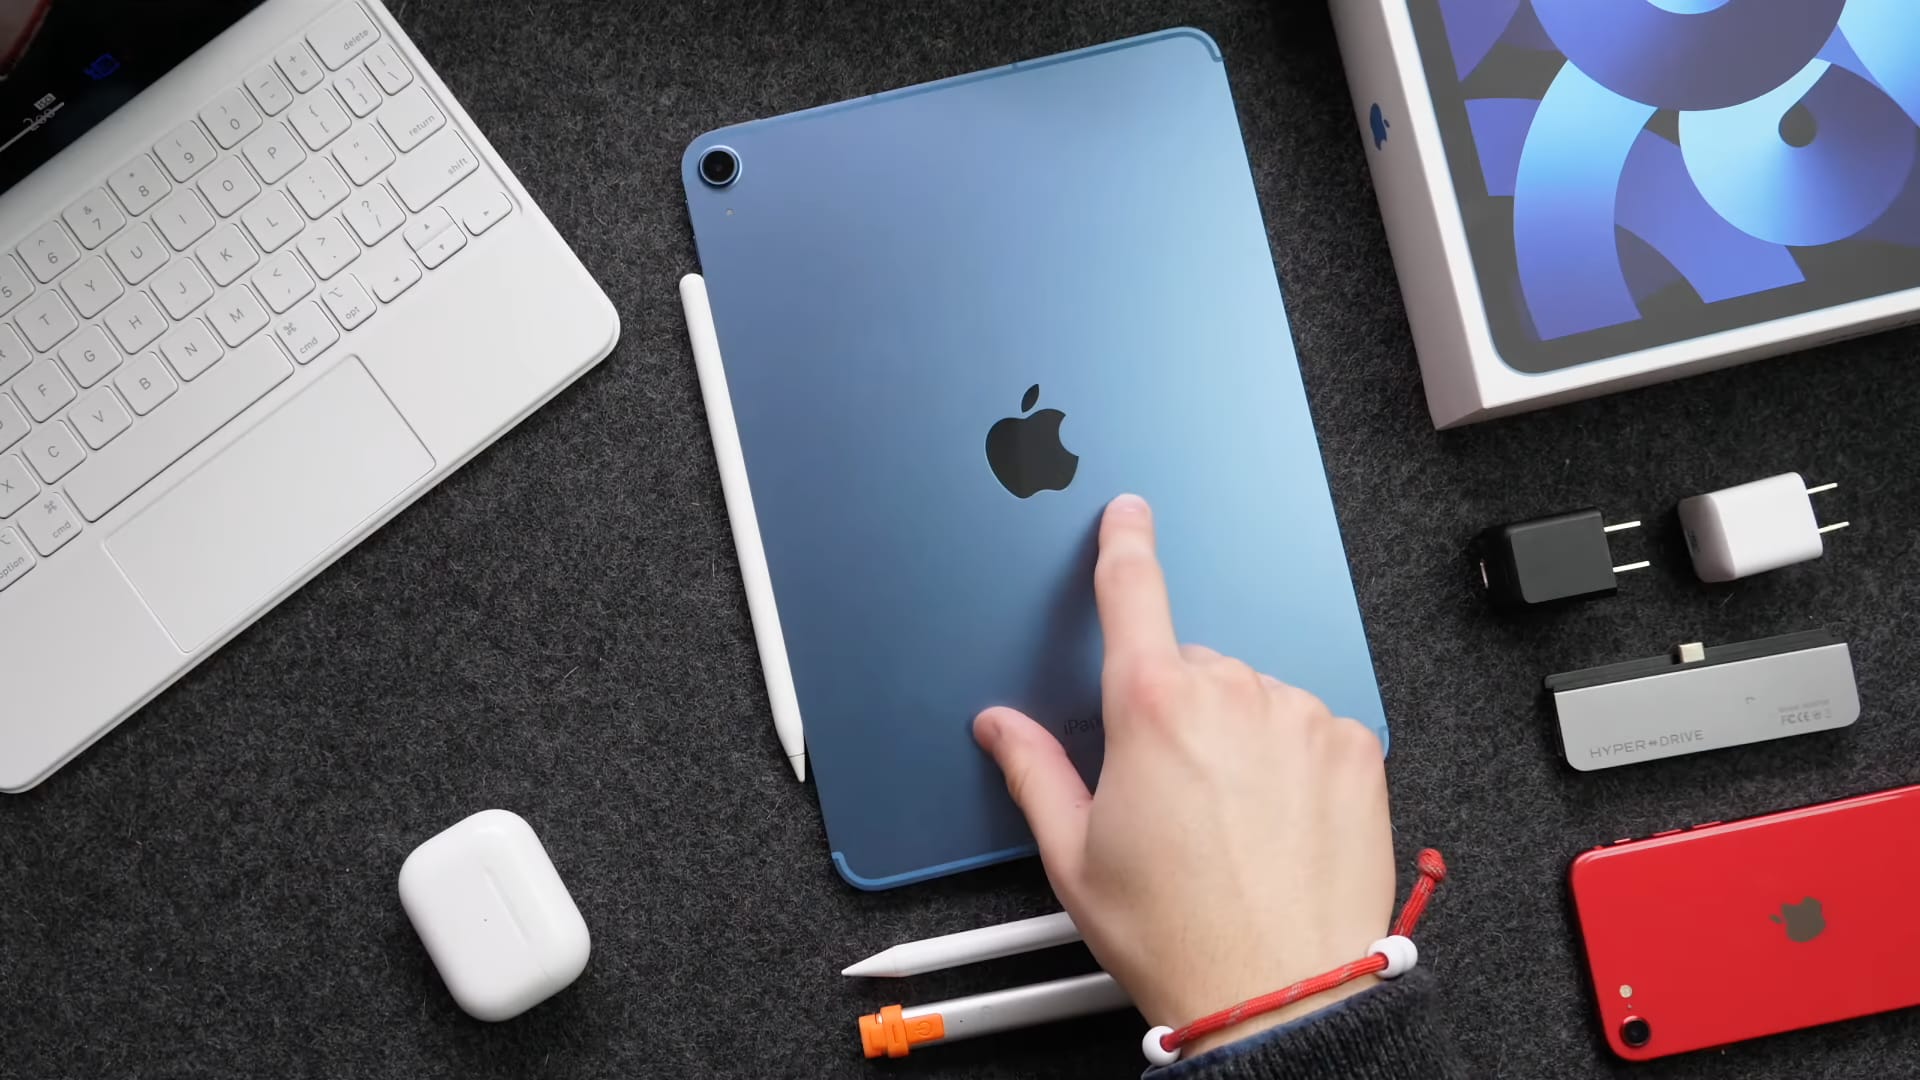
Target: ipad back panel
[1727,932]
[890,279]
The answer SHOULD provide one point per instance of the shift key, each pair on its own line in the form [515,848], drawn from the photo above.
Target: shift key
[430,169]
[201,408]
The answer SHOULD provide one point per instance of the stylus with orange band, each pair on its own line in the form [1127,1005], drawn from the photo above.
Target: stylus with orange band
[895,1030]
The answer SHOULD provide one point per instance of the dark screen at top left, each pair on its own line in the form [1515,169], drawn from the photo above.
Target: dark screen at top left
[66,65]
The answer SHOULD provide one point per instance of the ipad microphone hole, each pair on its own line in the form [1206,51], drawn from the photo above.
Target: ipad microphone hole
[720,166]
[1636,1032]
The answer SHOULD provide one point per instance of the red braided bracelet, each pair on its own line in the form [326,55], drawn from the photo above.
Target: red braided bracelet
[1390,957]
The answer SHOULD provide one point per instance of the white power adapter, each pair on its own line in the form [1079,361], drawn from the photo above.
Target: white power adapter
[1740,531]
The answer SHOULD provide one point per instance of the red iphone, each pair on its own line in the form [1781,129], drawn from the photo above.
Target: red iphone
[1705,936]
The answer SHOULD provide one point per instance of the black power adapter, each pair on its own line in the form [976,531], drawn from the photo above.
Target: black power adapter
[1549,559]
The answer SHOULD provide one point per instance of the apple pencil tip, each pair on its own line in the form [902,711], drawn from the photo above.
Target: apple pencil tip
[872,965]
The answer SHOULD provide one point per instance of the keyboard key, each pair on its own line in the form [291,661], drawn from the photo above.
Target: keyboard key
[136,253]
[144,382]
[268,91]
[319,119]
[181,287]
[53,452]
[273,152]
[184,151]
[426,174]
[94,218]
[99,417]
[328,248]
[182,219]
[306,331]
[410,117]
[341,34]
[15,559]
[388,272]
[228,186]
[47,251]
[43,389]
[297,64]
[349,303]
[426,227]
[282,281]
[272,221]
[356,88]
[318,187]
[13,427]
[230,117]
[441,247]
[363,153]
[479,206]
[373,215]
[91,287]
[49,523]
[14,354]
[45,320]
[135,322]
[191,349]
[17,485]
[236,315]
[388,69]
[226,254]
[89,356]
[15,286]
[163,438]
[140,184]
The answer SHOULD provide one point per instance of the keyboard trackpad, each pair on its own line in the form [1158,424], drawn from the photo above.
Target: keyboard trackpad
[210,551]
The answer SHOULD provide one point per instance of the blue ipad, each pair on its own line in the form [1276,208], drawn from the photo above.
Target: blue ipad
[953,321]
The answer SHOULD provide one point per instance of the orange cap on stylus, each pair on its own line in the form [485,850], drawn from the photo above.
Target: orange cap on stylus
[889,1033]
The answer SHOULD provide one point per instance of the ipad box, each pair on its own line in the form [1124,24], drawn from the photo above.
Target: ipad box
[1584,197]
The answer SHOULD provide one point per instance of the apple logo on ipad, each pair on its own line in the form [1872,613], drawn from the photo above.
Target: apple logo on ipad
[1802,920]
[1025,452]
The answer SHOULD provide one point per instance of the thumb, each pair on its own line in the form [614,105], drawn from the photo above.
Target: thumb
[1043,783]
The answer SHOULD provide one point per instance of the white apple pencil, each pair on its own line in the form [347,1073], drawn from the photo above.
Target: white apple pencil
[968,947]
[895,1030]
[746,525]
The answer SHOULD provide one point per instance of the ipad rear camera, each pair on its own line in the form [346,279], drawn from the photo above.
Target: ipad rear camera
[720,166]
[1636,1032]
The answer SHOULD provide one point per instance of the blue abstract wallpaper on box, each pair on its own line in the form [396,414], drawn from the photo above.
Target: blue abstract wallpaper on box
[1638,172]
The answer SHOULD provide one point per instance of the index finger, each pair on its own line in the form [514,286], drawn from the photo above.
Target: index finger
[1131,590]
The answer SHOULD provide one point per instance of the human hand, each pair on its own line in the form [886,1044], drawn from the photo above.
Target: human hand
[1239,840]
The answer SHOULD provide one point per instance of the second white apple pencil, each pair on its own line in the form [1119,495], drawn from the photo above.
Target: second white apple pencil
[968,947]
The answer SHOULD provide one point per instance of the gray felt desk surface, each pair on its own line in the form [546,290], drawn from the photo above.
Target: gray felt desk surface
[560,629]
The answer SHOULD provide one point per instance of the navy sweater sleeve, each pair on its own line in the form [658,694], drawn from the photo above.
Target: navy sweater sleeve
[1393,1031]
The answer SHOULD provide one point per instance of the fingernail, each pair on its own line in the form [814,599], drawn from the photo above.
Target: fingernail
[986,728]
[1128,504]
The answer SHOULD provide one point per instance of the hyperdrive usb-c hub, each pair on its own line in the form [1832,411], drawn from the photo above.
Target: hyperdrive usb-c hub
[1699,698]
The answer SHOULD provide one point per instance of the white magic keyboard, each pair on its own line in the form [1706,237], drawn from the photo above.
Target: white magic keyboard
[165,302]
